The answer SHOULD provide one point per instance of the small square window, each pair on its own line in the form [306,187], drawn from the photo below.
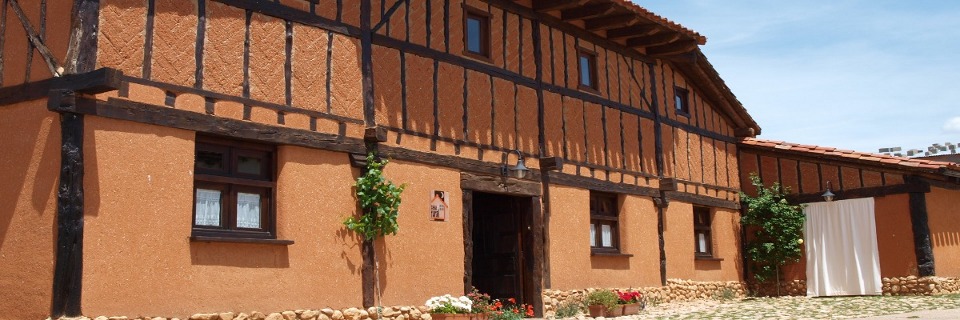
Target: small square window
[476,34]
[681,100]
[604,220]
[233,189]
[702,227]
[587,63]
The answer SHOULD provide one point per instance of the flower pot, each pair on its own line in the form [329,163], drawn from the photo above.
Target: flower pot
[452,316]
[631,309]
[615,312]
[597,310]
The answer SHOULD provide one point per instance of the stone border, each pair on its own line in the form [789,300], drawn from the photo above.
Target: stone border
[389,313]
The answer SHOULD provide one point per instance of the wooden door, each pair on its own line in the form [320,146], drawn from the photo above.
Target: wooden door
[498,246]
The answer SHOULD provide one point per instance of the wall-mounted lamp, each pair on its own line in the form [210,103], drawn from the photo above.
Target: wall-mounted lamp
[828,196]
[518,171]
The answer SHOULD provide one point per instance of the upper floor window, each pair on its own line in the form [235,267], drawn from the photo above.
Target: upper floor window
[604,220]
[702,228]
[476,33]
[587,62]
[681,100]
[233,189]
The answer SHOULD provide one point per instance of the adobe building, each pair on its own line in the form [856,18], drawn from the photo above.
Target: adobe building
[914,210]
[167,158]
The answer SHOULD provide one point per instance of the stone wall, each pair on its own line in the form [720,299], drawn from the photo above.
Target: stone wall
[388,313]
[912,285]
[675,290]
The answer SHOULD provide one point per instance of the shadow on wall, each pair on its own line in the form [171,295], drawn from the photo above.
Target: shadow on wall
[610,263]
[22,169]
[946,239]
[225,254]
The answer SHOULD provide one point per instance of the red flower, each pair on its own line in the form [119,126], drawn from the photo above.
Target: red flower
[512,300]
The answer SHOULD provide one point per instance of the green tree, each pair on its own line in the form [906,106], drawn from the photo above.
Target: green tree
[379,200]
[777,230]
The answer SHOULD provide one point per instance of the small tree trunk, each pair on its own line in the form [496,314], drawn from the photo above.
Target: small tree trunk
[778,279]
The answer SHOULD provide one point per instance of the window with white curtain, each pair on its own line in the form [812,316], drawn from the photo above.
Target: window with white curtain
[604,218]
[233,189]
[702,227]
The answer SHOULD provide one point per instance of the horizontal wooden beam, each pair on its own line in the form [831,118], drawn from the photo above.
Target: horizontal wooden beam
[498,184]
[585,12]
[673,48]
[868,192]
[551,163]
[600,185]
[551,5]
[653,40]
[609,22]
[637,30]
[701,200]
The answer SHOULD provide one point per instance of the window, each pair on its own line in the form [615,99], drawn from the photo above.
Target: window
[588,70]
[701,231]
[233,189]
[681,101]
[604,217]
[476,34]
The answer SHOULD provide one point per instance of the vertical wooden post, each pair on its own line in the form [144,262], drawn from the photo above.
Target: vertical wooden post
[921,234]
[467,240]
[658,155]
[68,269]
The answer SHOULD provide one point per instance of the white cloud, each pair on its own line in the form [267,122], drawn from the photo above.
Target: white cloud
[952,125]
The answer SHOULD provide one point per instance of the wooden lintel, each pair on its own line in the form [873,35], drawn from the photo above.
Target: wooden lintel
[497,184]
[375,134]
[551,163]
[608,22]
[551,5]
[701,200]
[867,192]
[638,30]
[93,82]
[586,12]
[653,40]
[673,48]
[358,160]
[668,184]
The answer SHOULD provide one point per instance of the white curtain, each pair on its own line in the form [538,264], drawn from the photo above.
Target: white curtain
[248,210]
[841,244]
[208,208]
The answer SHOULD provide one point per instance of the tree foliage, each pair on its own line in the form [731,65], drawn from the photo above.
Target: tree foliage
[379,200]
[777,229]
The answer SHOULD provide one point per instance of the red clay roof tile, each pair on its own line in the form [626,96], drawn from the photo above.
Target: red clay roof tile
[851,154]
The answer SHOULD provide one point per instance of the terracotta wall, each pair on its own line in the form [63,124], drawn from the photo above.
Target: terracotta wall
[572,266]
[21,61]
[679,245]
[944,222]
[30,166]
[808,175]
[425,258]
[898,257]
[138,257]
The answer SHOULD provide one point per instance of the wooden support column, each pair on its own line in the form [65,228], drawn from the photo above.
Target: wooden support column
[467,240]
[921,234]
[658,148]
[68,269]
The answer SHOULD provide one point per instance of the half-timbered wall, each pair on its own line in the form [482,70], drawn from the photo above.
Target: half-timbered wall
[20,60]
[907,201]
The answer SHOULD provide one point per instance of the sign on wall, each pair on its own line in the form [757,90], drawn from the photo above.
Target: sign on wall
[438,205]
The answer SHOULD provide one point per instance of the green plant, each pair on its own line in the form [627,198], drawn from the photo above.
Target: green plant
[777,228]
[569,309]
[725,294]
[379,200]
[604,298]
[510,310]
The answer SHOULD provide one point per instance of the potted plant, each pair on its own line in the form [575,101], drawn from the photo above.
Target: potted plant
[601,302]
[510,310]
[630,301]
[447,307]
[482,305]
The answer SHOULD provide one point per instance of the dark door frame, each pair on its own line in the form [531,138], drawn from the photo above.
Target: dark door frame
[470,183]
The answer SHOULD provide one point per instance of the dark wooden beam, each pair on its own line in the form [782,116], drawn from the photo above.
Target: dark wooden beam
[637,30]
[586,12]
[668,184]
[551,163]
[68,266]
[498,184]
[653,40]
[701,200]
[744,132]
[921,234]
[36,41]
[551,5]
[673,48]
[608,22]
[868,192]
[375,134]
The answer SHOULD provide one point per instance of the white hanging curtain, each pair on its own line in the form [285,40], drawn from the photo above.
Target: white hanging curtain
[841,244]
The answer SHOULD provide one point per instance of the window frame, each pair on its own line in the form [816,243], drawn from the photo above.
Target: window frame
[599,219]
[703,228]
[592,72]
[229,181]
[485,33]
[683,95]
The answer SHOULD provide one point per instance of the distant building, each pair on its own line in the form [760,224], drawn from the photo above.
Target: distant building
[947,148]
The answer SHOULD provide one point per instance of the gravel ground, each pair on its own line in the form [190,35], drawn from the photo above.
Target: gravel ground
[804,308]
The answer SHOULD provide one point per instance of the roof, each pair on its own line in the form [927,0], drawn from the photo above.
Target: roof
[911,164]
[628,24]
[954,157]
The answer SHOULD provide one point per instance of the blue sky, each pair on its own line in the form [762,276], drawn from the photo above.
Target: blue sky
[852,74]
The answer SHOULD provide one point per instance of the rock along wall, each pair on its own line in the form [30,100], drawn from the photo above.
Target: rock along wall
[675,290]
[388,313]
[914,286]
